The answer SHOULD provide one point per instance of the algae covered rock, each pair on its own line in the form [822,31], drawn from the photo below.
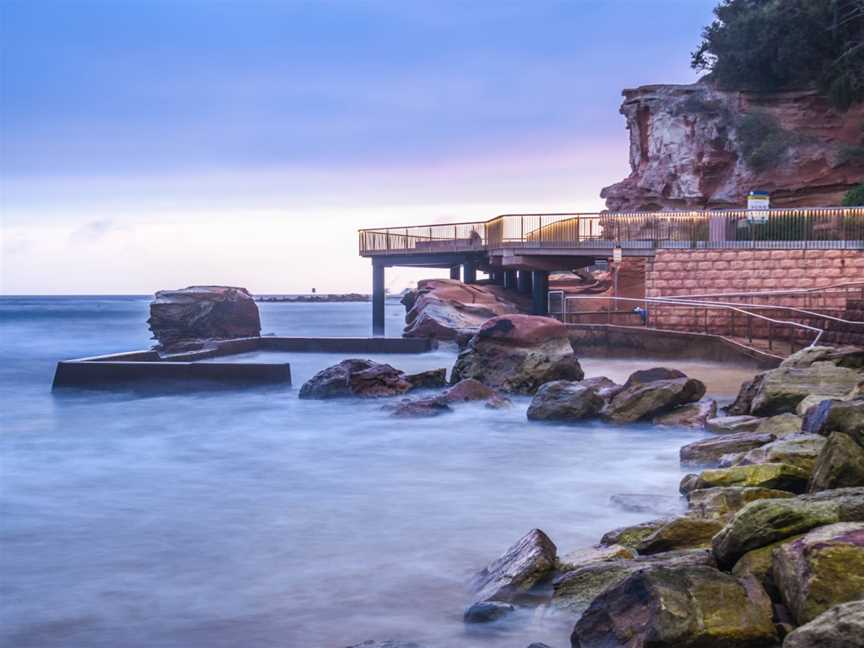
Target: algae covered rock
[723,502]
[685,607]
[531,558]
[759,564]
[630,536]
[840,464]
[769,475]
[781,425]
[841,626]
[821,569]
[799,450]
[681,533]
[783,388]
[768,520]
[562,400]
[713,449]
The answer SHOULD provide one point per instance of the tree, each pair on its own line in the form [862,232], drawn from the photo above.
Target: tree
[854,197]
[768,45]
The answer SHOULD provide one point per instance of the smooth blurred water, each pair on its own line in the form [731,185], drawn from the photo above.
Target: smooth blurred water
[251,518]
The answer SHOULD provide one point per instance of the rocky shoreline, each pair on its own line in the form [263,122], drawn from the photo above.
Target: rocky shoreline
[314,298]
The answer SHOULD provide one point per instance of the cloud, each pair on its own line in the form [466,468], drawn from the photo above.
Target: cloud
[96,231]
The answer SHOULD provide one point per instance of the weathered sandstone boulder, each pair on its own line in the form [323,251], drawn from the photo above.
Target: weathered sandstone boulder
[562,400]
[692,415]
[779,476]
[685,607]
[200,313]
[821,569]
[652,392]
[711,450]
[366,379]
[841,626]
[723,502]
[840,464]
[447,309]
[681,533]
[798,450]
[517,354]
[730,424]
[768,520]
[520,568]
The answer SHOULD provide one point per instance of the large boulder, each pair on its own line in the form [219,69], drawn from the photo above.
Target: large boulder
[447,309]
[832,415]
[562,400]
[685,607]
[781,425]
[518,354]
[197,314]
[681,533]
[721,503]
[841,626]
[692,415]
[711,450]
[364,378]
[839,464]
[821,569]
[800,450]
[631,536]
[768,520]
[518,570]
[652,392]
[779,476]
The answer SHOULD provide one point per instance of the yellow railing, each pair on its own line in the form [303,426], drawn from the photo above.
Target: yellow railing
[800,228]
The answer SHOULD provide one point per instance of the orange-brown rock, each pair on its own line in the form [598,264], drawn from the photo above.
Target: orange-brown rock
[686,149]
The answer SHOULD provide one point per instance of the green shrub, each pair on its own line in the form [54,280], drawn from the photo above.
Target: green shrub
[854,197]
[762,141]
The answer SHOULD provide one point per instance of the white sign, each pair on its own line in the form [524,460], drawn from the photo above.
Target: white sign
[758,204]
[617,255]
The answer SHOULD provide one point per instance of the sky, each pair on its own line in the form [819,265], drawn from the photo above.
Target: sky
[148,144]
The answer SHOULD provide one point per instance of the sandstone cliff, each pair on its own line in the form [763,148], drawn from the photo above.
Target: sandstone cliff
[692,146]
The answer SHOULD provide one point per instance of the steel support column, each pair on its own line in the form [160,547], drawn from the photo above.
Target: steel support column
[510,279]
[377,299]
[469,271]
[540,290]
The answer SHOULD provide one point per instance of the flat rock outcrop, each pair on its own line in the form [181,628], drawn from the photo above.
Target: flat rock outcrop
[688,148]
[518,354]
[192,316]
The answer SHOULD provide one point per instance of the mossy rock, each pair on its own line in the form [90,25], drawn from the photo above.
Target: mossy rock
[682,533]
[839,465]
[723,502]
[769,475]
[799,450]
[631,536]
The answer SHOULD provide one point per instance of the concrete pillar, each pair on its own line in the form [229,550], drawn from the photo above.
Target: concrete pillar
[496,277]
[510,279]
[454,272]
[540,290]
[523,283]
[377,299]
[469,271]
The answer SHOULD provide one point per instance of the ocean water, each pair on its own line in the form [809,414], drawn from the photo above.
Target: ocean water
[250,518]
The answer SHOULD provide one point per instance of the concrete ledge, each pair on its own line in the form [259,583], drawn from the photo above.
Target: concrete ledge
[611,340]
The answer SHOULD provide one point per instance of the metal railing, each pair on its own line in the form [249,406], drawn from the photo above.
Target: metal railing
[798,228]
[780,330]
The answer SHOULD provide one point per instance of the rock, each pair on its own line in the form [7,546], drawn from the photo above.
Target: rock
[445,309]
[538,645]
[521,567]
[781,425]
[602,385]
[759,564]
[592,555]
[681,533]
[686,151]
[841,626]
[837,416]
[648,394]
[711,450]
[730,424]
[487,611]
[839,464]
[678,607]
[200,313]
[562,400]
[768,520]
[783,388]
[800,450]
[663,505]
[846,356]
[517,354]
[631,536]
[386,644]
[432,379]
[421,408]
[778,476]
[744,400]
[723,502]
[808,403]
[693,415]
[356,377]
[469,390]
[823,568]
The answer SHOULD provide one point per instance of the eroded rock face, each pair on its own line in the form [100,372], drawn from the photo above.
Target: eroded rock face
[678,607]
[562,400]
[521,567]
[685,151]
[200,313]
[821,569]
[447,309]
[366,379]
[517,354]
[768,520]
[841,626]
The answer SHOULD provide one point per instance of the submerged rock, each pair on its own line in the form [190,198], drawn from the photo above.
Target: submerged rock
[518,354]
[487,612]
[421,408]
[520,568]
[201,313]
[821,569]
[678,607]
[562,400]
[841,626]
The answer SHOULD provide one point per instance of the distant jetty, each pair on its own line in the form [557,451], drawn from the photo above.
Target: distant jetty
[314,298]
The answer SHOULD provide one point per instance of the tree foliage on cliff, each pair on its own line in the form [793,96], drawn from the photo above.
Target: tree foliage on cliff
[854,197]
[768,45]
